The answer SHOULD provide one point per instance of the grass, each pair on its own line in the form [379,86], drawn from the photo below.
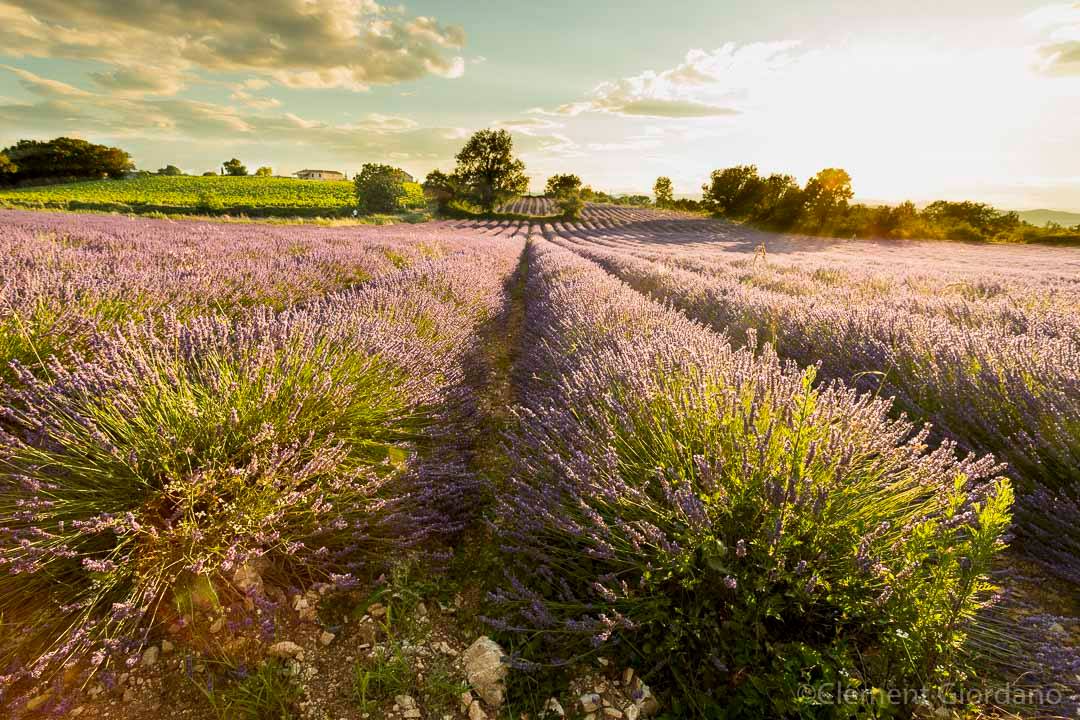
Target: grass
[269,693]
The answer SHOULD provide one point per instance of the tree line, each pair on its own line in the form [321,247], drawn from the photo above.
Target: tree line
[823,206]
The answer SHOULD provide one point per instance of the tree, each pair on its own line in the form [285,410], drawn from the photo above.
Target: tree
[65,157]
[379,188]
[234,167]
[663,191]
[827,195]
[6,166]
[559,185]
[440,188]
[209,173]
[170,170]
[264,171]
[734,191]
[488,170]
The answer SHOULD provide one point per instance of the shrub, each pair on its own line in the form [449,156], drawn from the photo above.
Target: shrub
[570,205]
[727,526]
[379,188]
[209,202]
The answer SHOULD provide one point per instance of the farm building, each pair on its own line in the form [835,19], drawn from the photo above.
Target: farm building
[320,175]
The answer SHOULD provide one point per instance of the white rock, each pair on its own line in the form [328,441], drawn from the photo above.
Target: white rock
[485,671]
[327,637]
[613,712]
[590,702]
[476,712]
[554,706]
[287,649]
[150,656]
[632,712]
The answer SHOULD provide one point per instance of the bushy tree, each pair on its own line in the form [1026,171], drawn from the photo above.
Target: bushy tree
[234,167]
[734,191]
[209,173]
[663,191]
[440,188]
[559,185]
[379,188]
[264,171]
[66,157]
[827,195]
[488,171]
[170,170]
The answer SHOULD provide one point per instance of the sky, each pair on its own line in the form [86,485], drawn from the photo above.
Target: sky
[920,100]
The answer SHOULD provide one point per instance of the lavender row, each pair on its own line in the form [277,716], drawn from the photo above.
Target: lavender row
[64,277]
[990,389]
[184,458]
[705,511]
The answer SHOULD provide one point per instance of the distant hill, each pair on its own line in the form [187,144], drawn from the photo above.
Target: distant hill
[1042,217]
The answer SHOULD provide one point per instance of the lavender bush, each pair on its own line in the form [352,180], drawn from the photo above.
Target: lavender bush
[148,472]
[994,377]
[721,521]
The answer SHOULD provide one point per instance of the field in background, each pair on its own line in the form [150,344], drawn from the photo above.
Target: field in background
[250,195]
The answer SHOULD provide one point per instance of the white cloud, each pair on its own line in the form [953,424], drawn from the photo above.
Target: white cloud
[1059,29]
[705,84]
[302,43]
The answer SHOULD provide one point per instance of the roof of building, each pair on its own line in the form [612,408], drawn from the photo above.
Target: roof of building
[301,172]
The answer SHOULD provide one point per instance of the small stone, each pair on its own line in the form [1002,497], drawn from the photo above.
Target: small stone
[367,631]
[590,702]
[466,701]
[553,706]
[150,656]
[476,712]
[603,661]
[413,714]
[247,578]
[129,695]
[167,647]
[632,712]
[612,712]
[217,625]
[326,638]
[486,671]
[287,649]
[78,711]
[376,610]
[405,701]
[627,676]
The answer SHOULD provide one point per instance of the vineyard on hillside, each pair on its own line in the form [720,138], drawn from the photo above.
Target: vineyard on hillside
[640,464]
[167,194]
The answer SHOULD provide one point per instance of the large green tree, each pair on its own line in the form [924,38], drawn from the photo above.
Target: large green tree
[264,171]
[380,188]
[488,170]
[6,166]
[827,195]
[664,191]
[559,185]
[234,167]
[65,157]
[170,170]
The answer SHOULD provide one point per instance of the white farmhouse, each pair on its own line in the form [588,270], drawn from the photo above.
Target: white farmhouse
[320,175]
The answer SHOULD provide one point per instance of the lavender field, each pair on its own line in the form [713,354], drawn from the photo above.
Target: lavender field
[664,465]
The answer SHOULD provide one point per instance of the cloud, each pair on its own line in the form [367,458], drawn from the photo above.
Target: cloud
[44,86]
[705,84]
[1059,28]
[140,81]
[351,44]
[255,102]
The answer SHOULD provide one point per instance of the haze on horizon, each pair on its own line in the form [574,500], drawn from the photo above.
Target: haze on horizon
[919,100]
